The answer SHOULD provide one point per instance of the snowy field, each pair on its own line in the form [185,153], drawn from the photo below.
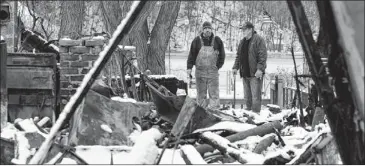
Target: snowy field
[178,68]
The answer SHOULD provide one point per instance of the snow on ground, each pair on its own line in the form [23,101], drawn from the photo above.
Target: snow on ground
[227,125]
[171,156]
[117,98]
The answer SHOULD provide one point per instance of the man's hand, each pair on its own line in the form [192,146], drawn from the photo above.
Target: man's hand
[258,73]
[189,72]
[234,71]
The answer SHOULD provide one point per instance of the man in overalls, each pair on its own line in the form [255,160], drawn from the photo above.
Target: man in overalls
[207,54]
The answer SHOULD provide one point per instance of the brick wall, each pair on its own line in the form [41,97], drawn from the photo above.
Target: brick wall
[76,59]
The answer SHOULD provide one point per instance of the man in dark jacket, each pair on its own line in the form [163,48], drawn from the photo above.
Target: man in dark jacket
[207,54]
[251,62]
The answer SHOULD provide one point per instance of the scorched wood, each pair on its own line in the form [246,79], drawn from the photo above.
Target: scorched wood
[259,130]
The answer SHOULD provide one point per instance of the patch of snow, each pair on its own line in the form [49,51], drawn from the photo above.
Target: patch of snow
[134,136]
[95,155]
[180,92]
[117,98]
[68,161]
[171,157]
[253,158]
[249,143]
[28,125]
[227,125]
[120,157]
[126,47]
[65,38]
[9,131]
[22,148]
[145,146]
[265,113]
[273,106]
[106,128]
[99,37]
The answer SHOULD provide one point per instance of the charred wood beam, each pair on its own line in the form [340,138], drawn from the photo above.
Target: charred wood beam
[339,108]
[104,56]
[259,130]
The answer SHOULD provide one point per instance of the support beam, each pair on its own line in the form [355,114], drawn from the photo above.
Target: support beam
[3,87]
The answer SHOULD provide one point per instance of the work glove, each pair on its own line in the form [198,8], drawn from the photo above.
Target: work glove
[234,71]
[258,73]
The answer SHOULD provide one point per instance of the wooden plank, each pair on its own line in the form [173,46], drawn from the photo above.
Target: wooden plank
[30,78]
[30,59]
[3,85]
[184,117]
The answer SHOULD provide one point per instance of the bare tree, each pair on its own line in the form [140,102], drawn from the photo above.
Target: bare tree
[72,17]
[160,36]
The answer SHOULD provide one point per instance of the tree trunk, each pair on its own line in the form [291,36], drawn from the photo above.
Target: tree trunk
[280,38]
[115,11]
[72,18]
[160,36]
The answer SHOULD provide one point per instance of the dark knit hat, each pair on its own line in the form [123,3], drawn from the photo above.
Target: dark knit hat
[247,25]
[207,24]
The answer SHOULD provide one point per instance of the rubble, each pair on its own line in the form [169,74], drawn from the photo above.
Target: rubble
[237,136]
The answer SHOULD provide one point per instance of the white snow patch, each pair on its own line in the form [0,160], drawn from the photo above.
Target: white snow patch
[180,92]
[249,143]
[227,125]
[273,106]
[265,113]
[134,136]
[171,156]
[22,148]
[106,128]
[9,131]
[99,37]
[117,98]
[94,155]
[68,161]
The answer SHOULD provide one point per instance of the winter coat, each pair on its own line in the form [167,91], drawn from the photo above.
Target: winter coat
[195,48]
[257,55]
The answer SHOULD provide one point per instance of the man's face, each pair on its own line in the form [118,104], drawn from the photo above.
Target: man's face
[207,31]
[247,32]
